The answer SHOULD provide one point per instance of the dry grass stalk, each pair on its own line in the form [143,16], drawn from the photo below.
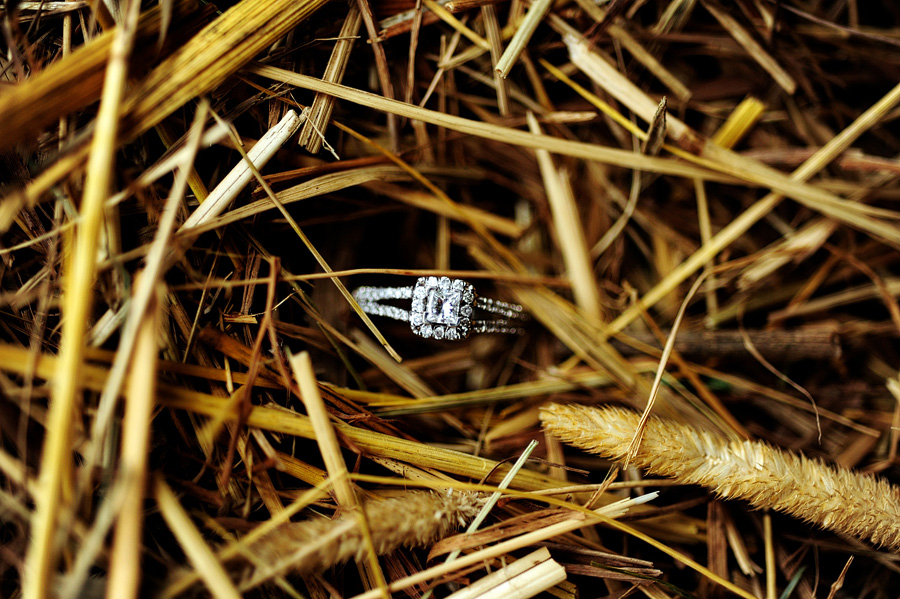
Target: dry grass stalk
[605,74]
[334,462]
[210,569]
[841,298]
[771,571]
[463,213]
[445,15]
[834,498]
[328,183]
[641,54]
[325,435]
[586,339]
[261,152]
[398,406]
[405,377]
[837,584]
[738,124]
[652,143]
[667,353]
[143,297]
[753,48]
[536,13]
[803,405]
[313,133]
[569,232]
[55,474]
[208,58]
[184,579]
[816,343]
[492,31]
[492,500]
[809,238]
[342,289]
[125,572]
[381,64]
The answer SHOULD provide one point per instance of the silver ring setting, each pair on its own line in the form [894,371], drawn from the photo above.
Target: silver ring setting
[442,308]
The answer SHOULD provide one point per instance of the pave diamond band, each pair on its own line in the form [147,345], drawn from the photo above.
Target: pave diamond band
[442,308]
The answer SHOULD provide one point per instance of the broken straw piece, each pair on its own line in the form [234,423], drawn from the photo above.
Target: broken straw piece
[224,193]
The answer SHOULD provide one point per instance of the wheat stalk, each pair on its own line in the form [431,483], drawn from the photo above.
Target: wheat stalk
[834,498]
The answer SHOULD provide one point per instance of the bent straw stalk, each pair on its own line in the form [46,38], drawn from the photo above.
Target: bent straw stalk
[834,498]
[413,520]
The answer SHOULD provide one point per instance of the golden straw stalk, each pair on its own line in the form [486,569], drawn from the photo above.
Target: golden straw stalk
[834,498]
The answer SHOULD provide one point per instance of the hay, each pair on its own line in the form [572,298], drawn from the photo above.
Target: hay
[694,201]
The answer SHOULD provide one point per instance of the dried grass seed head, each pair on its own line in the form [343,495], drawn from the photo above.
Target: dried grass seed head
[834,498]
[415,519]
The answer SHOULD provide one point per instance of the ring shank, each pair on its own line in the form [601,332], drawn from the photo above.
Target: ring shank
[369,299]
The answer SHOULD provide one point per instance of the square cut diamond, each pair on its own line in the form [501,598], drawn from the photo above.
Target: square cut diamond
[443,307]
[443,303]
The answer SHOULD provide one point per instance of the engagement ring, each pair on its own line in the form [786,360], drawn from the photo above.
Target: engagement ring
[442,308]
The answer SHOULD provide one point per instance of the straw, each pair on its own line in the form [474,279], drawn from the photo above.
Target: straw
[55,473]
[569,234]
[175,280]
[536,13]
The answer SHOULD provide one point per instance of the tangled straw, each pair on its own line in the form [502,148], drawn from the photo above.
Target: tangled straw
[834,498]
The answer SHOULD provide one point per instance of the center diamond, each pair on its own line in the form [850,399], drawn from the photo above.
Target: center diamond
[442,306]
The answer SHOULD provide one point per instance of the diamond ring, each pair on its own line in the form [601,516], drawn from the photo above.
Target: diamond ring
[442,308]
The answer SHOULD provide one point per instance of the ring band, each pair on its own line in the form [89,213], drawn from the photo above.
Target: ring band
[442,308]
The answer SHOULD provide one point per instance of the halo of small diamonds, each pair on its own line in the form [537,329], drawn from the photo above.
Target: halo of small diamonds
[442,308]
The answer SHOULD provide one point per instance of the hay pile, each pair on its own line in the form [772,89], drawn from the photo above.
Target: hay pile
[693,201]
